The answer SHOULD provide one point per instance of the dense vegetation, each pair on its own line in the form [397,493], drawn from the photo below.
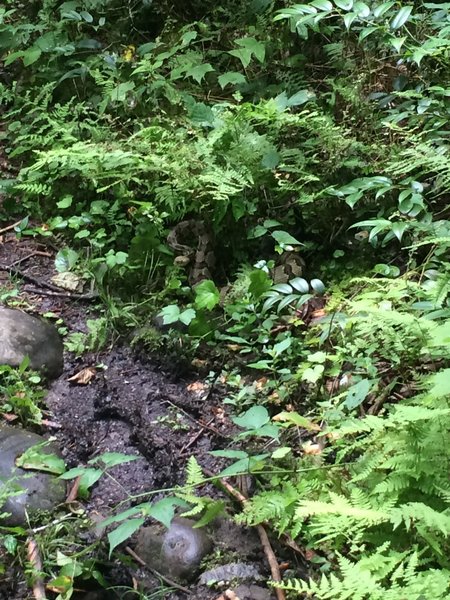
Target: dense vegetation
[316,130]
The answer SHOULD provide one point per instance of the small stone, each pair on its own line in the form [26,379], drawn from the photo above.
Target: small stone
[253,592]
[24,335]
[41,491]
[231,572]
[178,552]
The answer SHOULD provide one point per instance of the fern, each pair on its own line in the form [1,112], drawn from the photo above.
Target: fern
[378,576]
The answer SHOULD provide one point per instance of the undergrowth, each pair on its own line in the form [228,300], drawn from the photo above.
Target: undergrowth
[311,136]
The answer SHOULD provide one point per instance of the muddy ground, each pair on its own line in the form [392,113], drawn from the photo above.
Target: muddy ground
[159,412]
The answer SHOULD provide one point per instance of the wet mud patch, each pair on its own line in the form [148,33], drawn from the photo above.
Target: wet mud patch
[132,407]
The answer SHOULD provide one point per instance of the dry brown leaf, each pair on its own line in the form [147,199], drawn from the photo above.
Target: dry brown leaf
[84,376]
[9,417]
[198,363]
[197,387]
[260,383]
[228,595]
[311,449]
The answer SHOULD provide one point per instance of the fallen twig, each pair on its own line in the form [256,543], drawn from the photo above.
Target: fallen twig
[195,437]
[28,256]
[9,227]
[43,284]
[264,538]
[142,562]
[73,493]
[35,560]
[89,296]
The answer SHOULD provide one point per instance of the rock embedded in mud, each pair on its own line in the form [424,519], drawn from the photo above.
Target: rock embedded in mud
[178,552]
[41,491]
[23,335]
[231,572]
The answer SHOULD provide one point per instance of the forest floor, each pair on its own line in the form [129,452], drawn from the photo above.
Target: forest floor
[130,403]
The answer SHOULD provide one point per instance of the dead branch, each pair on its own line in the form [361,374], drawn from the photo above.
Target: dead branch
[35,560]
[264,538]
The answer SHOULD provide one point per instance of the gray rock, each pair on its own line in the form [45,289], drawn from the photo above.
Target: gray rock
[41,491]
[178,552]
[23,335]
[253,592]
[231,572]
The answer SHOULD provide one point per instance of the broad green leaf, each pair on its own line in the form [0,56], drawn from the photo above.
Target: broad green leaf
[65,260]
[248,47]
[262,365]
[283,288]
[254,418]
[283,237]
[243,54]
[240,466]
[397,43]
[87,16]
[281,452]
[300,284]
[123,532]
[280,347]
[269,223]
[229,453]
[313,374]
[344,4]
[37,459]
[202,115]
[322,5]
[126,514]
[88,478]
[187,316]
[120,92]
[72,473]
[366,32]
[65,202]
[379,10]
[198,72]
[164,510]
[31,56]
[170,314]
[398,229]
[244,465]
[349,18]
[295,419]
[300,97]
[357,393]
[206,295]
[318,286]
[361,9]
[401,17]
[260,283]
[231,78]
[112,459]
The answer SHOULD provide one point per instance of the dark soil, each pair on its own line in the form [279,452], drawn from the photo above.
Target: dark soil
[157,412]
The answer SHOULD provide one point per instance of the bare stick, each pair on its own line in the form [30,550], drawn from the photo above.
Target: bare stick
[43,284]
[264,538]
[9,227]
[142,562]
[72,495]
[28,256]
[34,558]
